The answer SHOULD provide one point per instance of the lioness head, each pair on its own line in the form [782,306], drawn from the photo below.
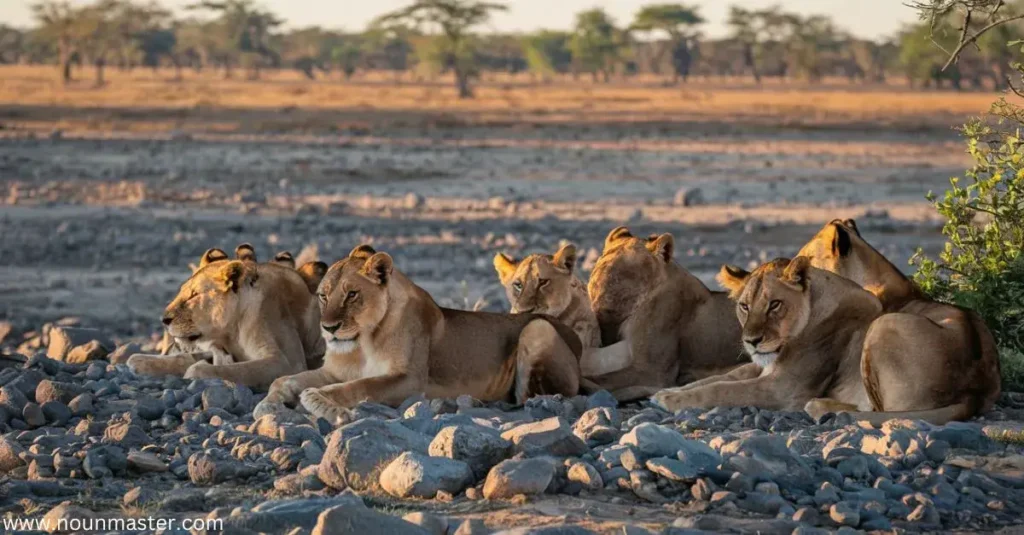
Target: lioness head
[543,284]
[208,302]
[838,248]
[773,305]
[353,298]
[629,267]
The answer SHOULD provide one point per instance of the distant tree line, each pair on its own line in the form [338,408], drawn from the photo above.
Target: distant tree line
[431,37]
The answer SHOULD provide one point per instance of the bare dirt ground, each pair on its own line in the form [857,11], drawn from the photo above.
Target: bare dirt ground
[106,195]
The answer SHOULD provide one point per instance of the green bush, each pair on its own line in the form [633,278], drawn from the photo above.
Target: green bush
[981,266]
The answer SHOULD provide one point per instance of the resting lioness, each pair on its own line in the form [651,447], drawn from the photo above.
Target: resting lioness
[822,341]
[547,284]
[962,341]
[387,340]
[255,322]
[661,325]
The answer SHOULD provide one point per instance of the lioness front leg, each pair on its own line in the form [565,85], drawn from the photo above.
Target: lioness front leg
[597,361]
[332,402]
[746,371]
[284,391]
[762,392]
[544,363]
[162,365]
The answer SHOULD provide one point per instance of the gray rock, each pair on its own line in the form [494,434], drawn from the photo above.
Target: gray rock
[140,496]
[765,504]
[598,426]
[602,398]
[12,400]
[421,476]
[125,434]
[357,452]
[82,404]
[33,415]
[56,391]
[724,524]
[653,440]
[279,516]
[689,197]
[146,462]
[845,514]
[65,513]
[512,477]
[551,436]
[63,339]
[56,413]
[149,408]
[89,351]
[218,397]
[436,525]
[355,520]
[587,476]
[701,490]
[673,470]
[925,514]
[771,451]
[10,451]
[479,447]
[208,468]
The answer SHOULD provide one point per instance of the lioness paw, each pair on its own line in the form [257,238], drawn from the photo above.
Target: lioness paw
[320,406]
[201,370]
[671,400]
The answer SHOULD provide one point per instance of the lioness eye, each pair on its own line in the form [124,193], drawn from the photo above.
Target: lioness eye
[543,282]
[352,295]
[744,307]
[774,305]
[322,297]
[517,286]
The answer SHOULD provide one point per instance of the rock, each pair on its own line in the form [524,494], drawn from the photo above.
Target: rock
[81,405]
[587,476]
[63,339]
[210,469]
[598,426]
[937,450]
[925,514]
[412,201]
[472,526]
[357,452]
[512,477]
[56,413]
[653,440]
[724,524]
[121,354]
[5,330]
[125,434]
[354,520]
[33,415]
[218,397]
[421,476]
[89,351]
[149,408]
[550,436]
[12,400]
[146,462]
[279,516]
[673,470]
[65,517]
[699,455]
[688,197]
[602,398]
[845,514]
[765,504]
[479,447]
[771,453]
[10,451]
[140,496]
[56,391]
[433,524]
[961,435]
[701,490]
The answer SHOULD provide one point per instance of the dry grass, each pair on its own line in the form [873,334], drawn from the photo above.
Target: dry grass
[33,97]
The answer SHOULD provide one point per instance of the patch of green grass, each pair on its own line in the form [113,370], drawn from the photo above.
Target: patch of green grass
[1012,364]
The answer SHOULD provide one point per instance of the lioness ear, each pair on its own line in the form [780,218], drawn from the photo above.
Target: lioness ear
[211,256]
[506,266]
[362,251]
[732,278]
[232,275]
[245,253]
[616,234]
[378,268]
[796,271]
[285,258]
[663,246]
[853,226]
[565,257]
[313,273]
[841,243]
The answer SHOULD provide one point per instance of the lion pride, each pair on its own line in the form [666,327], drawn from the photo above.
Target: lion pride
[387,340]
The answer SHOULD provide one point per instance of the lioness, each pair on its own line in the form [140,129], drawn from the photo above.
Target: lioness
[547,284]
[962,340]
[387,339]
[661,325]
[256,322]
[821,341]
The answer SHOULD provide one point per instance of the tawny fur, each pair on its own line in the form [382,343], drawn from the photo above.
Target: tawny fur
[387,340]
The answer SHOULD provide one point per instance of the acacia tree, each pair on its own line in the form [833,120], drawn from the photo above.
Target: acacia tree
[594,43]
[679,22]
[58,23]
[247,30]
[546,53]
[455,20]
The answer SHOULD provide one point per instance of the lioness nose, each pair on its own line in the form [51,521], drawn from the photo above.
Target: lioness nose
[754,341]
[330,328]
[167,320]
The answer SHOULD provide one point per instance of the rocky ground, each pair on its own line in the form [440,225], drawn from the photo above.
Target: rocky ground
[92,440]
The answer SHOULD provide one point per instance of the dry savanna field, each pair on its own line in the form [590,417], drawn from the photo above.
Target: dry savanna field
[107,194]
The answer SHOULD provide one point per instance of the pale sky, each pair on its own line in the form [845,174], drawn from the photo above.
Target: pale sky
[865,18]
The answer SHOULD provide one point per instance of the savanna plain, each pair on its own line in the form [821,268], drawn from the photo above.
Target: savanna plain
[107,194]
